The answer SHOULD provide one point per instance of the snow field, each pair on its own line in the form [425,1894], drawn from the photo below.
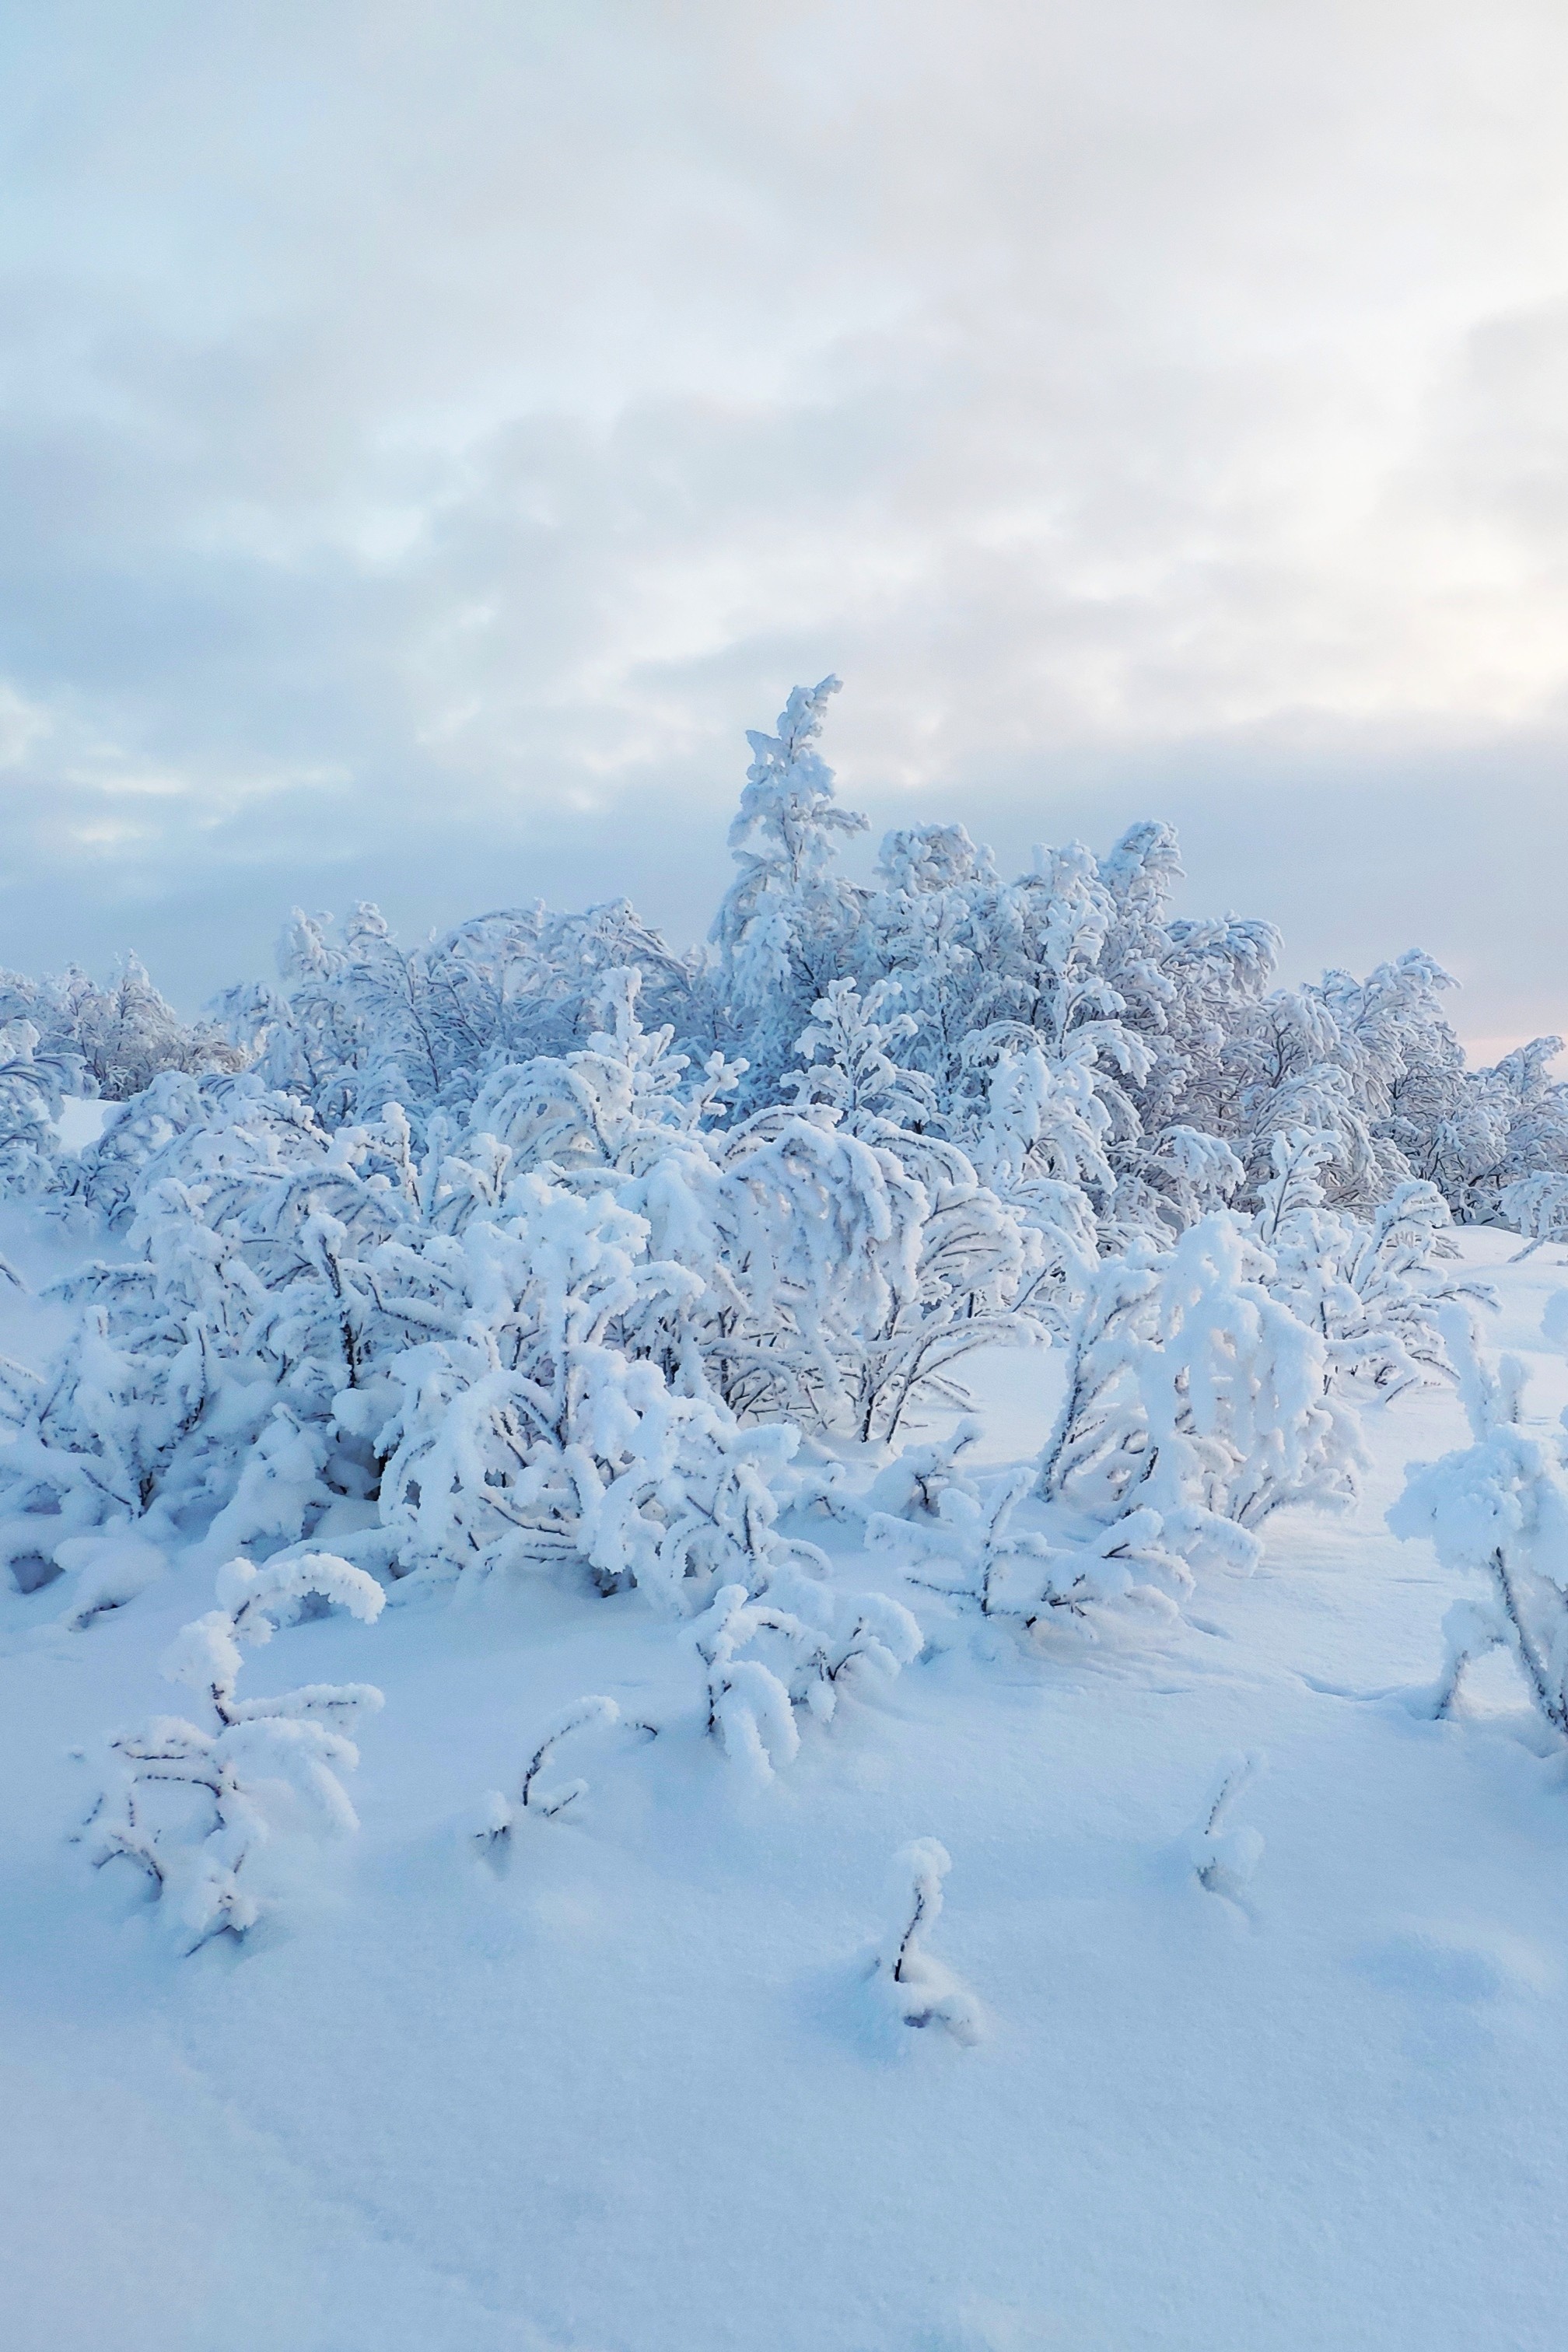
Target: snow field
[625,2083]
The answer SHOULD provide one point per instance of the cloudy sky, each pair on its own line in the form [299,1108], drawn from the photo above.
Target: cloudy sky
[432,430]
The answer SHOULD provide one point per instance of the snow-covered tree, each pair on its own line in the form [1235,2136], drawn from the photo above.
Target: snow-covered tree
[787,926]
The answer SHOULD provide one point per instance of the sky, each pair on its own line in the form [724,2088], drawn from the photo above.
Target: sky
[430,435]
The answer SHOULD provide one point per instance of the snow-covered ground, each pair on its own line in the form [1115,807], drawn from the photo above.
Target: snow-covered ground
[624,2087]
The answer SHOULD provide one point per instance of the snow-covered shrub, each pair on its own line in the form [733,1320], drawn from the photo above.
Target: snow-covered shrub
[189,1129]
[1537,1207]
[868,1273]
[618,1101]
[110,1570]
[912,1484]
[1375,1291]
[123,1035]
[32,1083]
[246,1761]
[359,1020]
[494,1362]
[845,1262]
[501,1814]
[1174,1178]
[823,1642]
[1519,1112]
[1499,1509]
[1223,1858]
[912,1986]
[201,1374]
[847,1050]
[1195,1392]
[970,1550]
[1040,1120]
[526,1431]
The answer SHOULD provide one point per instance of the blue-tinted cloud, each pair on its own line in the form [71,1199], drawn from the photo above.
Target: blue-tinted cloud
[428,436]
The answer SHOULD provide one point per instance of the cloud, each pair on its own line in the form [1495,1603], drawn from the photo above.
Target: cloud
[429,435]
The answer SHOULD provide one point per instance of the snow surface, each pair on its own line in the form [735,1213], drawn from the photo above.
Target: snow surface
[618,2082]
[81,1122]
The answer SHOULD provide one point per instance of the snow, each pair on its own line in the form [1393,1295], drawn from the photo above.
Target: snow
[81,1122]
[616,2083]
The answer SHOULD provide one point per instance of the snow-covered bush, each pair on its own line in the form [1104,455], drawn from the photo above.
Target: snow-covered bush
[1375,1291]
[478,1360]
[187,1127]
[1192,1391]
[1537,1207]
[868,1271]
[358,1019]
[1498,1509]
[501,1814]
[845,1262]
[1226,1859]
[122,1036]
[971,1551]
[202,1369]
[912,1986]
[822,1641]
[32,1085]
[257,1767]
[526,1430]
[912,1484]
